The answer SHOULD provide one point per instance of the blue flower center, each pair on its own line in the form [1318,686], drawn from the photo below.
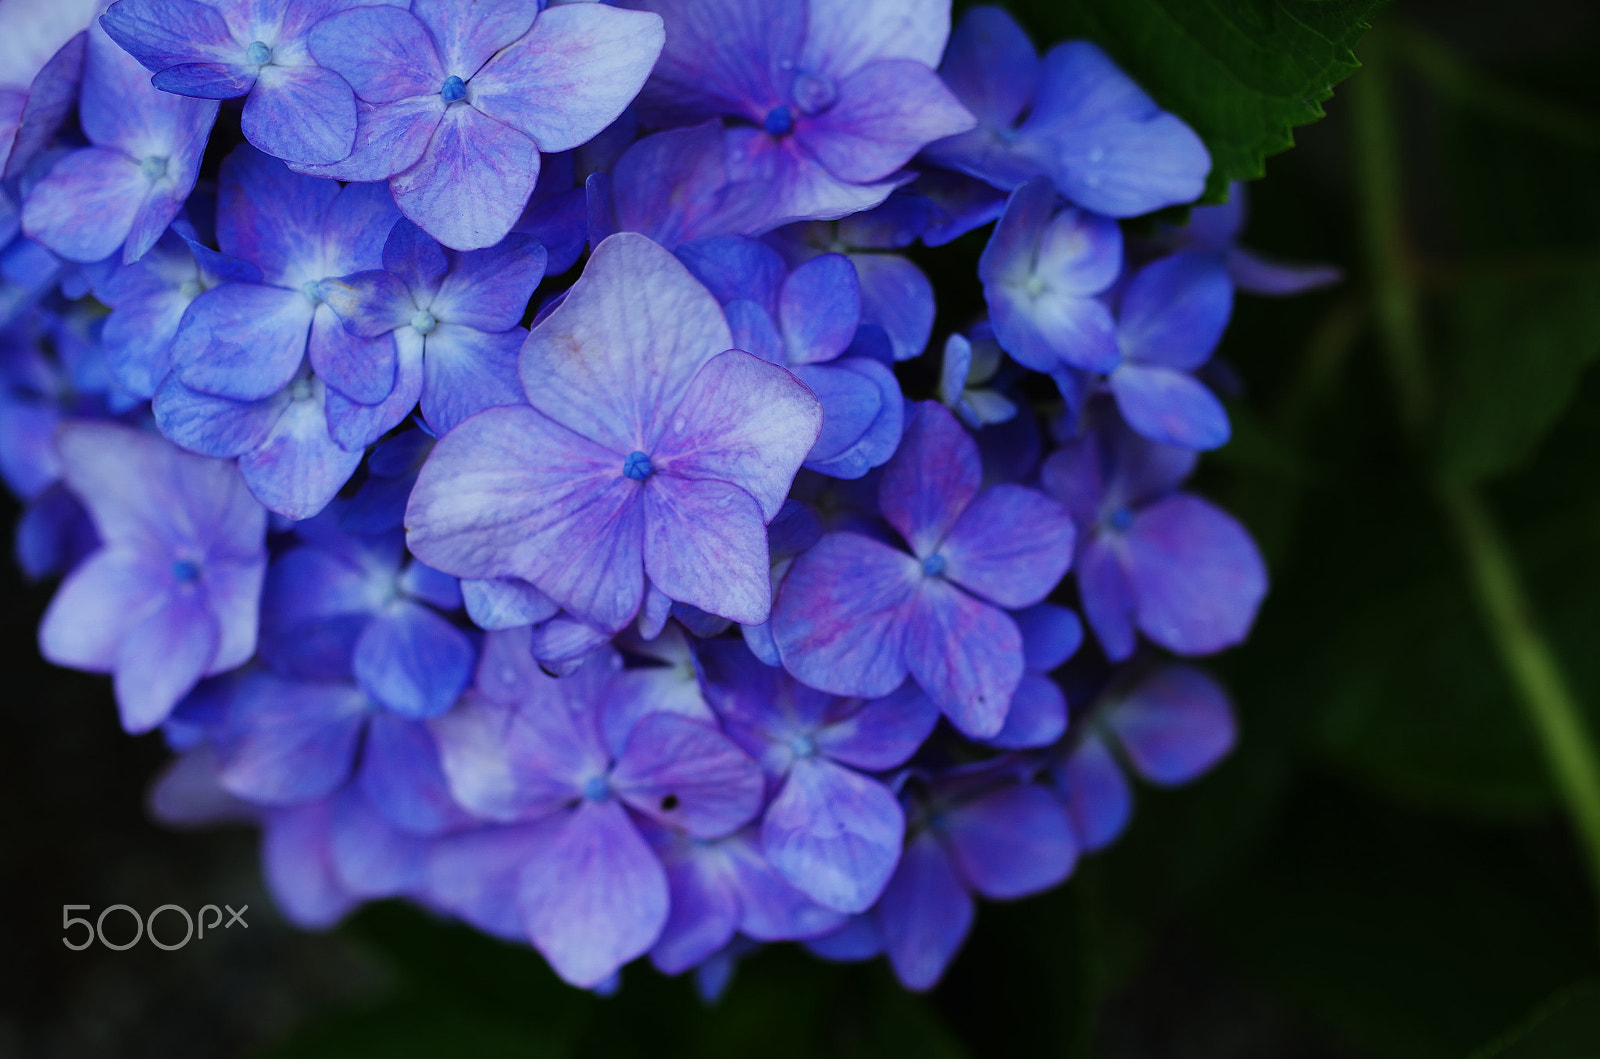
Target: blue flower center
[258,53]
[312,290]
[185,571]
[779,121]
[933,565]
[423,321]
[453,90]
[190,289]
[596,789]
[154,167]
[637,466]
[1120,519]
[803,746]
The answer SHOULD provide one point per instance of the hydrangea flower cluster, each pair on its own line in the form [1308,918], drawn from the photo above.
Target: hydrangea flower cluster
[475,433]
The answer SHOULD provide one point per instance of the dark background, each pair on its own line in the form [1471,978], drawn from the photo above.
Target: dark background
[1381,869]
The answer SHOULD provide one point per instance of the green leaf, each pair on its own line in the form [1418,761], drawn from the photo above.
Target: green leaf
[1517,346]
[1242,73]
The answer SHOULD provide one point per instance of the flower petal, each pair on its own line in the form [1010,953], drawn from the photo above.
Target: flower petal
[1011,546]
[932,478]
[1196,576]
[243,341]
[924,915]
[833,834]
[472,182]
[705,544]
[1013,842]
[301,114]
[413,661]
[686,774]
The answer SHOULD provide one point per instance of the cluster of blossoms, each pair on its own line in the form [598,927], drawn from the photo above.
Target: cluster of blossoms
[632,608]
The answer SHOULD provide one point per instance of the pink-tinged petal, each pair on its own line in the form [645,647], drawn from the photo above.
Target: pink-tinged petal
[924,915]
[1011,546]
[742,421]
[298,865]
[1174,725]
[385,53]
[932,478]
[1174,311]
[991,65]
[819,308]
[966,655]
[686,774]
[571,76]
[1197,577]
[593,894]
[1011,843]
[721,57]
[274,239]
[288,743]
[510,493]
[466,371]
[106,596]
[1036,717]
[469,34]
[1096,792]
[897,297]
[301,114]
[792,184]
[363,369]
[844,35]
[834,835]
[488,290]
[617,357]
[885,114]
[1108,600]
[299,468]
[841,615]
[1170,407]
[93,182]
[883,733]
[389,139]
[705,544]
[471,183]
[162,658]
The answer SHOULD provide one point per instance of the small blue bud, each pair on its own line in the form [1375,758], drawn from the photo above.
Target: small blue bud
[154,167]
[779,121]
[454,89]
[258,53]
[423,321]
[637,466]
[596,789]
[185,571]
[933,565]
[803,746]
[1121,519]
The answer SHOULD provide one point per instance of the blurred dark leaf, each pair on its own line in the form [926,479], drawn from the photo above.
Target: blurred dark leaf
[1411,937]
[1512,357]
[1565,1027]
[1242,73]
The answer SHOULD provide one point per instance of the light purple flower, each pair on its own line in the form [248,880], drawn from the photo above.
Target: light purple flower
[223,49]
[652,449]
[42,46]
[830,831]
[127,185]
[1088,126]
[458,97]
[1177,568]
[855,615]
[838,95]
[172,594]
[577,759]
[455,319]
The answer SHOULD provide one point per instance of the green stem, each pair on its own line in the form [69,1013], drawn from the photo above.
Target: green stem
[1530,662]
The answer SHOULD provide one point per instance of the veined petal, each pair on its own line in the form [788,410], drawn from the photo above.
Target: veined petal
[886,112]
[687,774]
[466,371]
[472,182]
[966,654]
[932,478]
[384,53]
[244,341]
[1011,546]
[834,835]
[301,114]
[705,544]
